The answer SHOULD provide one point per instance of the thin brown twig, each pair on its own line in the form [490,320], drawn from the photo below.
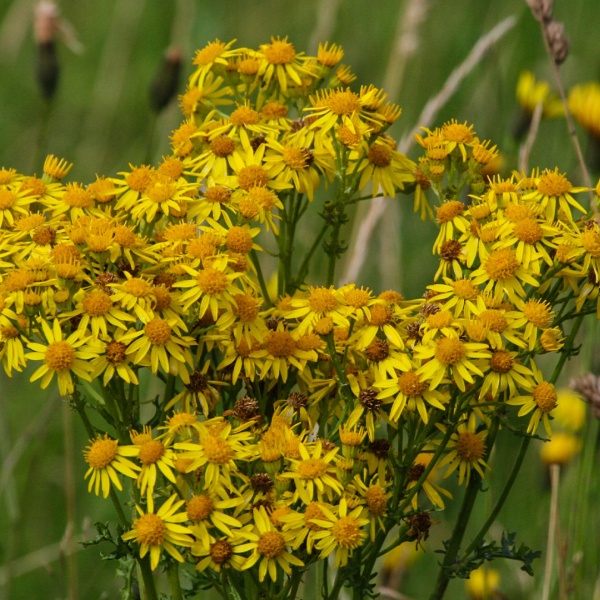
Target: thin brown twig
[430,111]
[525,149]
[569,119]
[434,105]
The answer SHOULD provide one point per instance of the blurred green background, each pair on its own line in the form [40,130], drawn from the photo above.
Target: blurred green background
[100,119]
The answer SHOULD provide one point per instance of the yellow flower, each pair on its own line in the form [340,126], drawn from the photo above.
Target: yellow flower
[570,411]
[531,92]
[554,191]
[540,398]
[268,546]
[61,357]
[113,359]
[467,449]
[584,104]
[155,531]
[154,455]
[217,452]
[342,532]
[220,553]
[412,390]
[450,354]
[483,583]
[105,457]
[280,62]
[560,449]
[314,474]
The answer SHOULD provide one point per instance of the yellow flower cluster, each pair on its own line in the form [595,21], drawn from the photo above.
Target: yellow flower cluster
[295,429]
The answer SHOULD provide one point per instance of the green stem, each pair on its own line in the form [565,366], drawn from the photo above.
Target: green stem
[502,498]
[148,578]
[302,272]
[173,576]
[261,279]
[462,521]
[456,539]
[333,253]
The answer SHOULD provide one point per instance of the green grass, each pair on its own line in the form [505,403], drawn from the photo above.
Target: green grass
[99,120]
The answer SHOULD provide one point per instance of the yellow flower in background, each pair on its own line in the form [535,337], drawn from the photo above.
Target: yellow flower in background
[483,583]
[561,449]
[161,530]
[531,92]
[584,104]
[570,411]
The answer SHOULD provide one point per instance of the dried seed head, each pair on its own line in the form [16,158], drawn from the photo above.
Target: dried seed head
[558,41]
[541,9]
[588,386]
[297,400]
[261,482]
[246,408]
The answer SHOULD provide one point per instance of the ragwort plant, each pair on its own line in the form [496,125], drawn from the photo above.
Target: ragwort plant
[298,429]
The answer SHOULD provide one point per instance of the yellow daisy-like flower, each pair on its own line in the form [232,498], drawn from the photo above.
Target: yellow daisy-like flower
[433,491]
[161,530]
[213,286]
[467,449]
[221,553]
[105,457]
[506,373]
[282,350]
[320,302]
[531,92]
[217,452]
[342,532]
[412,391]
[155,456]
[450,354]
[504,274]
[584,104]
[214,55]
[14,202]
[97,310]
[541,398]
[537,316]
[554,191]
[62,357]
[55,168]
[208,510]
[314,474]
[113,360]
[269,546]
[159,344]
[461,295]
[388,169]
[294,159]
[280,62]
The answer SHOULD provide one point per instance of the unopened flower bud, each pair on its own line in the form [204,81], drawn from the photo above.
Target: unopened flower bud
[45,26]
[164,86]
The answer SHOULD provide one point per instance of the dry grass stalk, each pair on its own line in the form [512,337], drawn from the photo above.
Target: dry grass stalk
[435,104]
[326,19]
[557,47]
[429,113]
[525,149]
[552,527]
